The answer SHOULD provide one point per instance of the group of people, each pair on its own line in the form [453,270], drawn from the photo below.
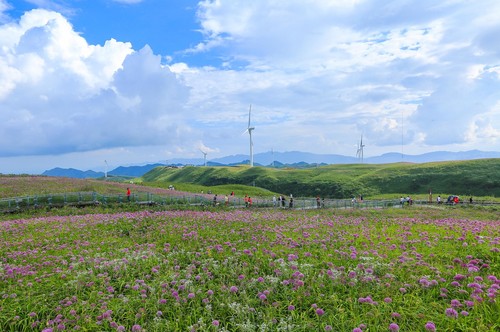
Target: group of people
[281,201]
[358,199]
[248,201]
[226,199]
[407,200]
[452,199]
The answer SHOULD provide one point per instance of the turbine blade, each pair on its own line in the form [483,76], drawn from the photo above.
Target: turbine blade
[249,111]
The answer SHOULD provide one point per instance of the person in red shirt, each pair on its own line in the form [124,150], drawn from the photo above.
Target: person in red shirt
[128,194]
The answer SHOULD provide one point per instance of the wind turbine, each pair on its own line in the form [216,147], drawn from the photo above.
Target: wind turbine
[359,153]
[249,130]
[204,157]
[106,169]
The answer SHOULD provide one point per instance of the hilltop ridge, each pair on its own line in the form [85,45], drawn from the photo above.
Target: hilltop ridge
[290,159]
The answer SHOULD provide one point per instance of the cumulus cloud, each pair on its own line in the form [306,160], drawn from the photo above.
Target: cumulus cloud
[59,94]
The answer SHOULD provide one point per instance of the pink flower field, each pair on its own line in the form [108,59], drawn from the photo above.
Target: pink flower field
[414,270]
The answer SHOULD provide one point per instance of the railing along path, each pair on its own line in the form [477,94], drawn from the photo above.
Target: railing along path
[83,199]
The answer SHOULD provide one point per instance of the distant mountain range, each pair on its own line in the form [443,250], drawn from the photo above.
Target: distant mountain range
[122,171]
[294,159]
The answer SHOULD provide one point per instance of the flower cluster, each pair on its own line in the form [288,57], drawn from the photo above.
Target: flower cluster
[250,270]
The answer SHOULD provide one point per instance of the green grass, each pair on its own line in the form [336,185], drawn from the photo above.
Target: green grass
[251,270]
[106,267]
[239,190]
[463,178]
[384,181]
[16,186]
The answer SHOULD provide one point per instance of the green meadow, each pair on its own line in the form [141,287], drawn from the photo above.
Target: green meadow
[252,270]
[464,178]
[125,267]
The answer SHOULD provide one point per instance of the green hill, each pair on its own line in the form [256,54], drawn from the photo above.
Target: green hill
[473,177]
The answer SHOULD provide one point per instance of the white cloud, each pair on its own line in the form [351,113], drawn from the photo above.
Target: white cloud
[317,72]
[485,127]
[314,34]
[59,94]
[414,57]
[4,6]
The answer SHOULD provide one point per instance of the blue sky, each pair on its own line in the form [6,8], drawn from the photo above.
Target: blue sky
[134,82]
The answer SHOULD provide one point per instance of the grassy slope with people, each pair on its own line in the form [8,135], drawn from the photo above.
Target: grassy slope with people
[464,178]
[473,177]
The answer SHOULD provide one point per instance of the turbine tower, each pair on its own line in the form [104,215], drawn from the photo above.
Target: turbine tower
[249,130]
[204,157]
[359,153]
[106,169]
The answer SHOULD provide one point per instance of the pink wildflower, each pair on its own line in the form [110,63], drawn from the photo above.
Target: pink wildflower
[429,326]
[393,327]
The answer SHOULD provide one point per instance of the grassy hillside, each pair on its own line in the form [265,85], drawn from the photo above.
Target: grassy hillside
[15,186]
[18,186]
[474,177]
